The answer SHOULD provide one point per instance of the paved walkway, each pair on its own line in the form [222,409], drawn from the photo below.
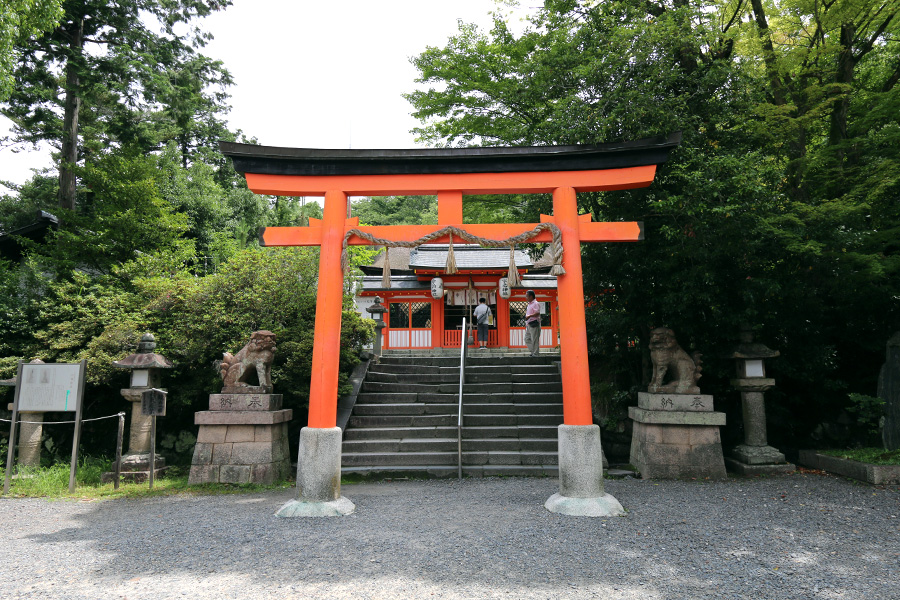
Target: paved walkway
[796,537]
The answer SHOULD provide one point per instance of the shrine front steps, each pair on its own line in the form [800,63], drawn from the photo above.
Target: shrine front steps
[404,421]
[452,387]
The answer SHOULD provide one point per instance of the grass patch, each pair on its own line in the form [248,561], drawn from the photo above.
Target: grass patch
[875,456]
[53,482]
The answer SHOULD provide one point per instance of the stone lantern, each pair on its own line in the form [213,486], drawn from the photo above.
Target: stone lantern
[145,366]
[377,311]
[754,456]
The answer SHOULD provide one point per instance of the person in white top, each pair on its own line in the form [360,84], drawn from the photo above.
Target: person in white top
[482,315]
[532,324]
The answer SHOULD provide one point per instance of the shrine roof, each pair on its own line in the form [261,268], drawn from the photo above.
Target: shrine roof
[468,256]
[372,283]
[272,160]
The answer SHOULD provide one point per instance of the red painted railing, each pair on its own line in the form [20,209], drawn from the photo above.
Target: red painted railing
[453,338]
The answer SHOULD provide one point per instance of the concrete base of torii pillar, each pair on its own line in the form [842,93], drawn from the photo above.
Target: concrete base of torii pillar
[318,476]
[581,475]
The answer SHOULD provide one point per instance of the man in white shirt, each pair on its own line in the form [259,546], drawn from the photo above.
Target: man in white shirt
[482,314]
[532,324]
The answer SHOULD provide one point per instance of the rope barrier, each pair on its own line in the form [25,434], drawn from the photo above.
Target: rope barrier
[121,414]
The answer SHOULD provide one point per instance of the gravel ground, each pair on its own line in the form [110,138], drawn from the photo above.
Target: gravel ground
[800,537]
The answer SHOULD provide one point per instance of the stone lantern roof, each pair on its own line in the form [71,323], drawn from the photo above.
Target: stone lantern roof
[145,358]
[750,349]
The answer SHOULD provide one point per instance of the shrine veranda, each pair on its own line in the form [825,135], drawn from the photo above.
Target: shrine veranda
[450,174]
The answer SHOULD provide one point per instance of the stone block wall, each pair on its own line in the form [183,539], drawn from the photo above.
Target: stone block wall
[241,446]
[677,436]
[241,454]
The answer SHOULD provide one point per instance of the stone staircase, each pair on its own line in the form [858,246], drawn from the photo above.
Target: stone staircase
[404,420]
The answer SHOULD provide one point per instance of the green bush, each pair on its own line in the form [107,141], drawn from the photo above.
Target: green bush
[869,412]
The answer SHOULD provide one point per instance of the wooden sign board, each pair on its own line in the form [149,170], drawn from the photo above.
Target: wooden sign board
[153,403]
[55,387]
[50,387]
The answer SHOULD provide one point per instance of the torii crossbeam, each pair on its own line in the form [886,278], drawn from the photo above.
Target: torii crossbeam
[448,173]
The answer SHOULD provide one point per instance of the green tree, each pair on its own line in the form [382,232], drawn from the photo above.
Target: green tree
[763,215]
[99,79]
[123,219]
[19,209]
[19,20]
[396,210]
[194,192]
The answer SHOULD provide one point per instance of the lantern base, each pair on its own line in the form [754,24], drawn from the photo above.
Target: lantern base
[757,455]
[736,466]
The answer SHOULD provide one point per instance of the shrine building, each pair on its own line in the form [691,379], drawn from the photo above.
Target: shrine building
[415,319]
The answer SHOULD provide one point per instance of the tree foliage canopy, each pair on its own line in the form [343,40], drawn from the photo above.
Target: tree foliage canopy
[19,20]
[781,199]
[125,73]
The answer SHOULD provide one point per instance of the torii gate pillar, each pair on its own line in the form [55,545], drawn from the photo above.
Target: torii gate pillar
[450,173]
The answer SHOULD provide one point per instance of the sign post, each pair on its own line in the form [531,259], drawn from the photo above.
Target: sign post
[153,404]
[55,387]
[119,436]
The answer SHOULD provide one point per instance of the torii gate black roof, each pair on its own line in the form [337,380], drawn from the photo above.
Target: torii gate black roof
[271,160]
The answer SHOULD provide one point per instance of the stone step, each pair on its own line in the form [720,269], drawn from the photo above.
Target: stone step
[475,420]
[473,359]
[470,369]
[370,459]
[390,388]
[511,378]
[392,398]
[404,397]
[402,421]
[405,378]
[512,388]
[406,471]
[400,445]
[449,445]
[520,431]
[420,361]
[468,388]
[502,408]
[383,433]
[448,420]
[387,432]
[453,378]
[519,398]
[447,408]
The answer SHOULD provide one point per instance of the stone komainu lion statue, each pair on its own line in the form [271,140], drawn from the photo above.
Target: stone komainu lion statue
[254,357]
[669,359]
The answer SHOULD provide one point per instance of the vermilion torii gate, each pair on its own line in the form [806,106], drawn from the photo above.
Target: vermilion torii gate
[449,173]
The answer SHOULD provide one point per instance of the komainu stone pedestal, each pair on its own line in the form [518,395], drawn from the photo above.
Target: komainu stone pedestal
[677,436]
[318,476]
[581,475]
[242,439]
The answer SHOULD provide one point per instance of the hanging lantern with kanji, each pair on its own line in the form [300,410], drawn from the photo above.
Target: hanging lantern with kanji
[437,288]
[504,289]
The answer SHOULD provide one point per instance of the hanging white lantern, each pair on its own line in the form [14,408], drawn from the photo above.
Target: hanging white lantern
[505,291]
[437,288]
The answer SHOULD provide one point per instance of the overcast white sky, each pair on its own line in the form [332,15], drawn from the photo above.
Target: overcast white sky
[316,74]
